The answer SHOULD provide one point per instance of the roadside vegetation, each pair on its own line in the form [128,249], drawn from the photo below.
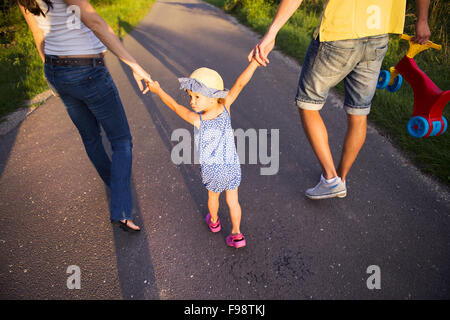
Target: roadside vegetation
[21,69]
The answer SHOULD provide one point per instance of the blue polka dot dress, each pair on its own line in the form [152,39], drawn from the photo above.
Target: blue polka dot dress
[219,161]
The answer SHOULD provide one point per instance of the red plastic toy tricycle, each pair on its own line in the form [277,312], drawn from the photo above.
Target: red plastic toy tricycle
[429,101]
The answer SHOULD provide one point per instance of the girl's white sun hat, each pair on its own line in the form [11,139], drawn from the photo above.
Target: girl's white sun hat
[206,82]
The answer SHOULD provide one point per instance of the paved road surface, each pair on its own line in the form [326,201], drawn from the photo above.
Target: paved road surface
[54,211]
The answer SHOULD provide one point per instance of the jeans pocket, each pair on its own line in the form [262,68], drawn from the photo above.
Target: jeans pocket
[107,79]
[103,84]
[75,75]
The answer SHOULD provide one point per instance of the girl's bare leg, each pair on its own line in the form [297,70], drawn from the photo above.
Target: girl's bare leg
[213,205]
[235,210]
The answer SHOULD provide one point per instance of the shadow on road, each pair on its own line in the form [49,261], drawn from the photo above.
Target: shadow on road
[194,6]
[134,261]
[190,175]
[6,144]
[161,49]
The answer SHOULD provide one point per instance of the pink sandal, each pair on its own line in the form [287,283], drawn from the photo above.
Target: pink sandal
[236,240]
[215,227]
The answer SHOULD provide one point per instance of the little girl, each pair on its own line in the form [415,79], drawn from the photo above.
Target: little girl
[214,139]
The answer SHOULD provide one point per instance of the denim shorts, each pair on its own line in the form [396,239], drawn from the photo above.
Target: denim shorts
[356,61]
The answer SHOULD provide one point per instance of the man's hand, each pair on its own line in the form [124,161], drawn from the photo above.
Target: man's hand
[422,29]
[285,10]
[262,50]
[423,32]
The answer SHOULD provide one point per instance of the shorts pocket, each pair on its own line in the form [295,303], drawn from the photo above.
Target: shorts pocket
[380,53]
[334,61]
[377,48]
[342,45]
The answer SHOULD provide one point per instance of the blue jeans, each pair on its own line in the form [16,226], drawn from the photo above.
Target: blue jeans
[356,61]
[92,100]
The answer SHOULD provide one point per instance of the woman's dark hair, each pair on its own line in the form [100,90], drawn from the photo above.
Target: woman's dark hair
[33,6]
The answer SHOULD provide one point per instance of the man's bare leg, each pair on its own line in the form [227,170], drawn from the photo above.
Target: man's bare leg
[317,134]
[354,140]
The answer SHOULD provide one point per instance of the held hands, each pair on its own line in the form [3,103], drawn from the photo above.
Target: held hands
[140,74]
[262,50]
[153,87]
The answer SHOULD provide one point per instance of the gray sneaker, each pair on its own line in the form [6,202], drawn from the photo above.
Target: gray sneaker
[325,190]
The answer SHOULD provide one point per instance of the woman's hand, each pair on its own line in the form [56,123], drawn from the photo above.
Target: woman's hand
[140,74]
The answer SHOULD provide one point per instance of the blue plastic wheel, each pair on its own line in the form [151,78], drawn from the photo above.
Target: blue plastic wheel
[437,126]
[383,79]
[397,84]
[445,124]
[418,127]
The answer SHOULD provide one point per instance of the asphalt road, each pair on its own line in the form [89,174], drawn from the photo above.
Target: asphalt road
[54,210]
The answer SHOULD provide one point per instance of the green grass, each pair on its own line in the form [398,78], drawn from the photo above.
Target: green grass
[390,111]
[21,69]
[21,74]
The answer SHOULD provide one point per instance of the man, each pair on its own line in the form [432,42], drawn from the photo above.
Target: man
[349,44]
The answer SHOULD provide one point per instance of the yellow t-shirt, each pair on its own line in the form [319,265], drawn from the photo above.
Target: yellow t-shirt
[353,19]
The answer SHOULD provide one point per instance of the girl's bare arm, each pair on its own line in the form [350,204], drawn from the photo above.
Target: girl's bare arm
[240,83]
[182,111]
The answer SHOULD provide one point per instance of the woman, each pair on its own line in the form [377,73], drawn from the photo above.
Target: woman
[74,68]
